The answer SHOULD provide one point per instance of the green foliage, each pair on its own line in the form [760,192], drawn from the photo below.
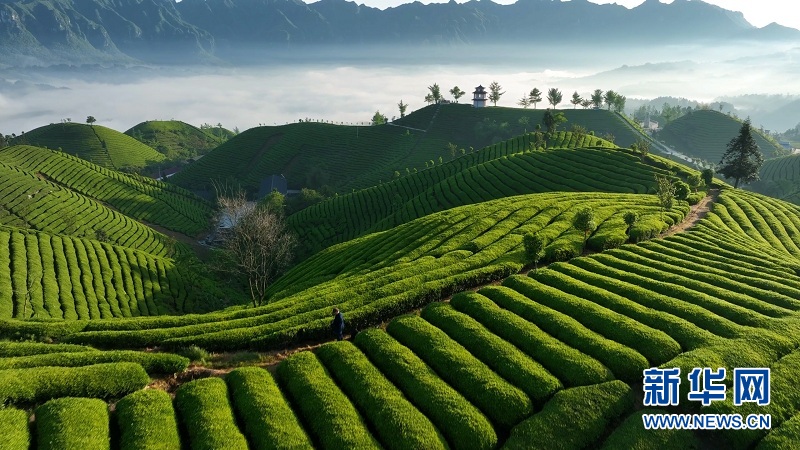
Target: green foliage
[194,354]
[694,181]
[332,418]
[682,190]
[269,422]
[463,425]
[631,434]
[500,355]
[584,221]
[570,366]
[534,247]
[177,140]
[98,381]
[147,420]
[72,423]
[10,349]
[743,158]
[378,119]
[575,418]
[398,424]
[203,408]
[784,437]
[14,429]
[631,217]
[503,403]
[153,363]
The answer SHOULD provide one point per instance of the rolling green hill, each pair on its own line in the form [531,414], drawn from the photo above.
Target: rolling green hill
[140,198]
[497,171]
[705,134]
[780,177]
[178,140]
[94,143]
[344,158]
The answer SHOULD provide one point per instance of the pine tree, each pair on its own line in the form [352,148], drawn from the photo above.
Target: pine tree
[743,159]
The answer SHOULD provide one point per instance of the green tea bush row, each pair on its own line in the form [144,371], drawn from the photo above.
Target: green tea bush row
[14,429]
[71,423]
[331,417]
[624,362]
[569,365]
[153,363]
[269,422]
[397,423]
[632,434]
[503,403]
[203,408]
[702,279]
[11,349]
[500,355]
[147,420]
[576,418]
[603,279]
[784,437]
[649,278]
[566,278]
[655,345]
[98,381]
[464,426]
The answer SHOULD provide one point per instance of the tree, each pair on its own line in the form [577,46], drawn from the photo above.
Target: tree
[610,97]
[586,103]
[708,177]
[256,246]
[524,102]
[457,93]
[665,191]
[402,107]
[436,93]
[619,103]
[642,147]
[743,159]
[694,181]
[534,97]
[551,121]
[682,190]
[525,121]
[597,98]
[90,120]
[429,98]
[274,202]
[576,100]
[534,247]
[494,92]
[378,118]
[554,96]
[631,217]
[584,221]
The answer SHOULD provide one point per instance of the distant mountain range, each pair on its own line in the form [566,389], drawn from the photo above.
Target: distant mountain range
[36,32]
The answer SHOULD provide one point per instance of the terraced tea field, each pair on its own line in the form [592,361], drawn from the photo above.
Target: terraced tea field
[780,177]
[557,354]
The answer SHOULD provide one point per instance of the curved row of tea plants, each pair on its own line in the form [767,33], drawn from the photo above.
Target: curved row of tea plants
[44,206]
[48,276]
[139,197]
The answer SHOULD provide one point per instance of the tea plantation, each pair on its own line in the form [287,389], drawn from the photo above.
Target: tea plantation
[455,339]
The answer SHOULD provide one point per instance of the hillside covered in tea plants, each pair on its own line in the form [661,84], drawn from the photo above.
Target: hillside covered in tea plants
[456,336]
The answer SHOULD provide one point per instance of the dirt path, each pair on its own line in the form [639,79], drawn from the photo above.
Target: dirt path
[696,214]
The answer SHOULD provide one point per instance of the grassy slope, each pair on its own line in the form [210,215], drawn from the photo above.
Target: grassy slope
[138,197]
[780,177]
[705,135]
[97,144]
[345,158]
[178,138]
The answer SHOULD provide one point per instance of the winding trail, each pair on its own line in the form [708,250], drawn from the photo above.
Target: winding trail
[696,214]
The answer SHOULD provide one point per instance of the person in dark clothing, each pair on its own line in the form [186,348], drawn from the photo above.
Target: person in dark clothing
[337,326]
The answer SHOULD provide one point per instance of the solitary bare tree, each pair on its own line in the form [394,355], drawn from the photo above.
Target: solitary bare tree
[256,243]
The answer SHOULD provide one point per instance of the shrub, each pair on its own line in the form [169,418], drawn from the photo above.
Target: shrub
[151,362]
[269,422]
[682,190]
[72,423]
[570,366]
[147,420]
[333,419]
[12,349]
[784,437]
[14,429]
[461,422]
[97,381]
[398,423]
[503,403]
[194,353]
[534,247]
[630,218]
[708,176]
[207,417]
[503,357]
[647,228]
[575,418]
[632,435]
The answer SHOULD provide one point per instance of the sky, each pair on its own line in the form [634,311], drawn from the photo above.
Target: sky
[757,12]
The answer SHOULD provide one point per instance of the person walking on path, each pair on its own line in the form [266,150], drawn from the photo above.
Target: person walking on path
[337,326]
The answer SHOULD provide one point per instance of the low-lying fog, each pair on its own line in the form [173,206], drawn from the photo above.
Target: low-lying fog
[351,91]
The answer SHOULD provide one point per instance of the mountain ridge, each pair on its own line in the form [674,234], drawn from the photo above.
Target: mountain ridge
[43,32]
